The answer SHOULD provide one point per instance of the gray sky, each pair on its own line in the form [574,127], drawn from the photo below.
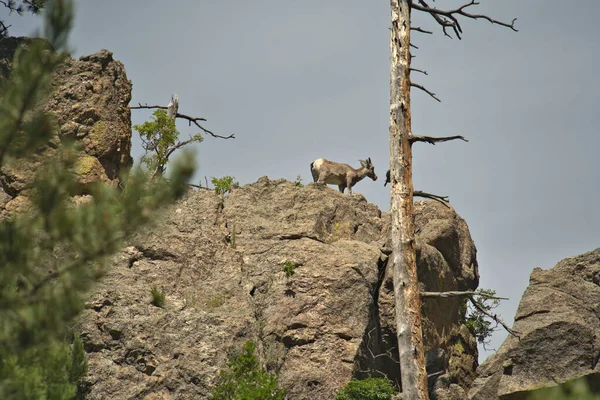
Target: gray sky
[299,80]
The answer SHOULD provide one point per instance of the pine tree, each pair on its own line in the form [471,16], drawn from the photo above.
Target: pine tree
[20,7]
[50,256]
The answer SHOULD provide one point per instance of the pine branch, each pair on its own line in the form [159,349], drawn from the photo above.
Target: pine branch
[191,120]
[76,264]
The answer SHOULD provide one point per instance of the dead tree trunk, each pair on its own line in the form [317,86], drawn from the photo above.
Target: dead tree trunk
[406,288]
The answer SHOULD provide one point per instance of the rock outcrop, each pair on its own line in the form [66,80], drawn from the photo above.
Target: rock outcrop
[89,99]
[219,262]
[558,319]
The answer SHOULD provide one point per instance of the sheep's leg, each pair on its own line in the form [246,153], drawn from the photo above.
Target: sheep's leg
[314,174]
[349,185]
[342,187]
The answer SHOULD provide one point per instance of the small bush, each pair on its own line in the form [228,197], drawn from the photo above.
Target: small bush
[299,181]
[367,389]
[223,185]
[158,297]
[244,379]
[289,268]
[476,321]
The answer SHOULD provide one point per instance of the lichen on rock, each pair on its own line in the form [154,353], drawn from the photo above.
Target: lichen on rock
[89,100]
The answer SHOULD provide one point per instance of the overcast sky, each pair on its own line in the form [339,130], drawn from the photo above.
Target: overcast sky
[299,80]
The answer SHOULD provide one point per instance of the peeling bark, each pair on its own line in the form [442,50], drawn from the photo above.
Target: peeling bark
[406,289]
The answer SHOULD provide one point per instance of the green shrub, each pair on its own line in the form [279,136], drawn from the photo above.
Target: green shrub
[53,376]
[244,379]
[299,181]
[289,268]
[367,389]
[158,297]
[223,185]
[159,140]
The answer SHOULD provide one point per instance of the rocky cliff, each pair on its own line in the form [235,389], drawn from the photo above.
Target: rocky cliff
[89,99]
[558,320]
[219,260]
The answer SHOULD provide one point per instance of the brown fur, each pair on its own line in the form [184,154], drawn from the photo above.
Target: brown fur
[343,175]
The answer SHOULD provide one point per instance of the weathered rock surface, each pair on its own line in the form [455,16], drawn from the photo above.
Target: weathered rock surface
[558,320]
[220,262]
[90,100]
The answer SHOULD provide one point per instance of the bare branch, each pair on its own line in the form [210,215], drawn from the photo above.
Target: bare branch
[419,29]
[425,90]
[449,18]
[177,146]
[459,294]
[443,199]
[413,46]
[191,120]
[495,318]
[469,295]
[419,70]
[433,140]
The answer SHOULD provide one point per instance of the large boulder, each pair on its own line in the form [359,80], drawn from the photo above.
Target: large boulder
[89,99]
[558,321]
[220,262]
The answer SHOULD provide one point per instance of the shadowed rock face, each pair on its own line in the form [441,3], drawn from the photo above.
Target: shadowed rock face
[89,99]
[219,261]
[558,321]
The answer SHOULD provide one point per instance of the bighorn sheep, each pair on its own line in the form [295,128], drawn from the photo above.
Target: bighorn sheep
[343,175]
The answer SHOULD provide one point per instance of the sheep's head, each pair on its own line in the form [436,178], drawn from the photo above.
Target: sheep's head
[368,165]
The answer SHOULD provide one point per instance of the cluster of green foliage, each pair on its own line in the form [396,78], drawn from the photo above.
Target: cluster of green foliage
[289,268]
[158,297]
[299,182]
[474,319]
[20,7]
[53,376]
[159,139]
[244,379]
[51,255]
[367,389]
[223,185]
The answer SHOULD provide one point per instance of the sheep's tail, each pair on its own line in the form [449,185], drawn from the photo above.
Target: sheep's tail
[312,171]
